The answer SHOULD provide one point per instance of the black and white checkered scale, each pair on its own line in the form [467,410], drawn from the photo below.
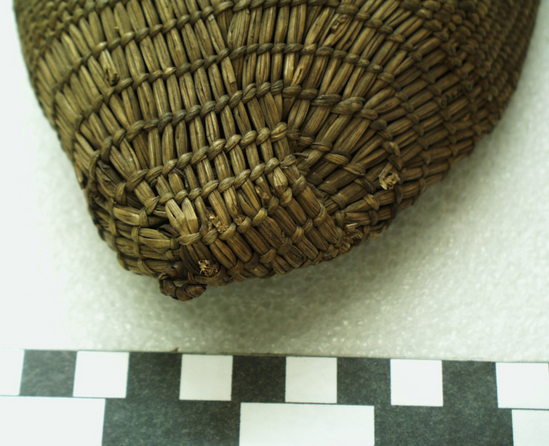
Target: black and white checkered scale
[118,398]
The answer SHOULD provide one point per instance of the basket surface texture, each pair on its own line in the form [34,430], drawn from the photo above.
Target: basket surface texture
[218,141]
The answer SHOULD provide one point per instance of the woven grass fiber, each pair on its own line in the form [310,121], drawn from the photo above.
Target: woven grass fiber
[218,141]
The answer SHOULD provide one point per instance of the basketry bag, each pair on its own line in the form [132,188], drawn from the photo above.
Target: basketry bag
[218,141]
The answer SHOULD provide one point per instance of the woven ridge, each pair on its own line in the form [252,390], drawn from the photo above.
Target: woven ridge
[218,141]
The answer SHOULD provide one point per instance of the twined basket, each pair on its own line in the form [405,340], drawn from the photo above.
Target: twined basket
[218,141]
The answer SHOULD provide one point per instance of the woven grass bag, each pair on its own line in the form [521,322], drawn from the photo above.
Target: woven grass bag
[218,141]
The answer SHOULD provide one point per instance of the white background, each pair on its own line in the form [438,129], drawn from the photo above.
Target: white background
[464,274]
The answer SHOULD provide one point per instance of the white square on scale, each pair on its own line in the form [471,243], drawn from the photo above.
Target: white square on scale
[523,385]
[206,377]
[277,424]
[51,421]
[101,374]
[11,370]
[530,427]
[311,380]
[416,382]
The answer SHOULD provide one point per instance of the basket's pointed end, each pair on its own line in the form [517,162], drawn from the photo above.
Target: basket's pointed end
[219,141]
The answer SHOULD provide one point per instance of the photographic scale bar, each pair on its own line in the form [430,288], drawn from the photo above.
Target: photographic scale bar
[92,398]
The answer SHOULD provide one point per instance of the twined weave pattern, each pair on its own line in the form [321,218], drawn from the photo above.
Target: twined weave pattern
[218,141]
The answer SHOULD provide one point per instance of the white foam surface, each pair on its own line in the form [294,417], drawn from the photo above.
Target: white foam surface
[463,274]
